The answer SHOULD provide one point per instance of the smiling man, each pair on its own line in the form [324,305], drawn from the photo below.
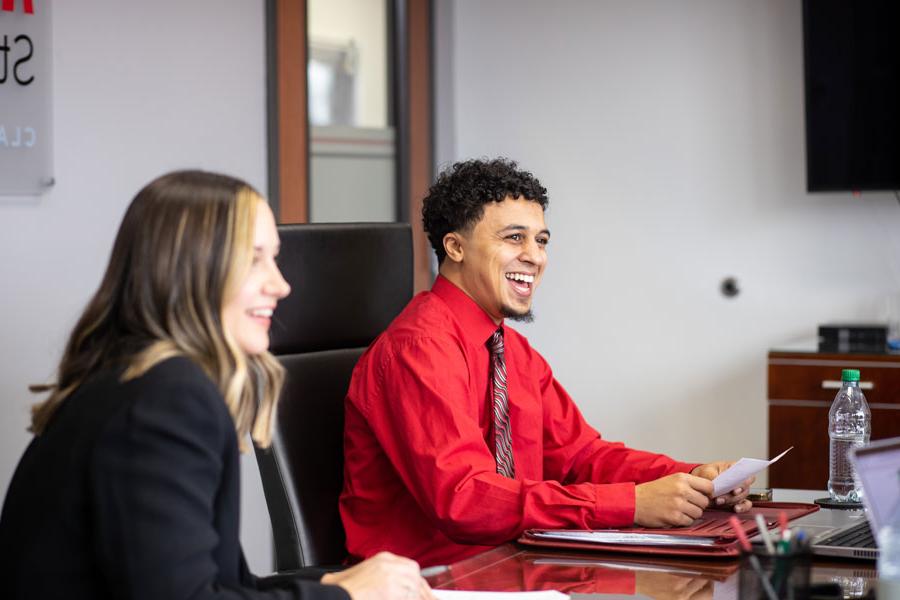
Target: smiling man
[457,435]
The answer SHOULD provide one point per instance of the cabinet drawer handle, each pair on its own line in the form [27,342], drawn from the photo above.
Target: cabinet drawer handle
[834,384]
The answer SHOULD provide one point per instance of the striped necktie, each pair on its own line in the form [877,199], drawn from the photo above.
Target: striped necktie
[502,434]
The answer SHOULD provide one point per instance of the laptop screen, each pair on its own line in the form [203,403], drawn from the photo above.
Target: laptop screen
[877,466]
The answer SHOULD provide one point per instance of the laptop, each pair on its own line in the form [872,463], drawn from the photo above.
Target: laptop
[852,533]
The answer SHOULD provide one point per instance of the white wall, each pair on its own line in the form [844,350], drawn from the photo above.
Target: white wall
[140,88]
[670,137]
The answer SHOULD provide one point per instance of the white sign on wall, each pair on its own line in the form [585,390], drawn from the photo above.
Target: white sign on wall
[26,150]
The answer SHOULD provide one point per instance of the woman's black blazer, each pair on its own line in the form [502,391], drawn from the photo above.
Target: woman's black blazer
[133,491]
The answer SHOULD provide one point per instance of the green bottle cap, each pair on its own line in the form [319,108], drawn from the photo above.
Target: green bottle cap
[850,375]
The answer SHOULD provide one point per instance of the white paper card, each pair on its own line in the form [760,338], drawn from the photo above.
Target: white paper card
[467,595]
[734,475]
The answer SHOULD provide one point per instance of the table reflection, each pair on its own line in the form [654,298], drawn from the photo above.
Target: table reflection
[575,573]
[509,568]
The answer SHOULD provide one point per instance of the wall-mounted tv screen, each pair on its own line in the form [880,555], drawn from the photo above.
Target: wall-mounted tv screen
[852,73]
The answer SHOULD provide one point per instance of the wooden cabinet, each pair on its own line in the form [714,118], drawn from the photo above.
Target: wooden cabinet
[801,387]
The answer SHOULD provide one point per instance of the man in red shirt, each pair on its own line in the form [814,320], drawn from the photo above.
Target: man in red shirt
[457,435]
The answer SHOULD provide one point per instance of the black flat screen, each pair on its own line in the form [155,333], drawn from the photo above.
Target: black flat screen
[852,72]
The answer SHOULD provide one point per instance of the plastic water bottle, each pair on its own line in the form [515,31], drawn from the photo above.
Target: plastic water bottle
[849,425]
[889,557]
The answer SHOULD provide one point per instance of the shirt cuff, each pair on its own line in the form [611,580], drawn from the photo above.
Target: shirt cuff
[614,506]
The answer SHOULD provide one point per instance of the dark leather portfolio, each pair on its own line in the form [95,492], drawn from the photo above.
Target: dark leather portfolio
[714,524]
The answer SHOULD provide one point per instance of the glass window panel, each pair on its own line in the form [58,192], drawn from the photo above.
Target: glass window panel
[348,63]
[352,148]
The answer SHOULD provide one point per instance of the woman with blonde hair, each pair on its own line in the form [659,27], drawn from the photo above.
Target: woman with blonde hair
[130,487]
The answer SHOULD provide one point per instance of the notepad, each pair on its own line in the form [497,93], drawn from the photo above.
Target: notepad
[710,535]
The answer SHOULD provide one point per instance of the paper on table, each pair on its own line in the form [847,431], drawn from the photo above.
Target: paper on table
[734,475]
[626,537]
[467,595]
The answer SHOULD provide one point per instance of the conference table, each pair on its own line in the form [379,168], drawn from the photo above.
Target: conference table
[514,568]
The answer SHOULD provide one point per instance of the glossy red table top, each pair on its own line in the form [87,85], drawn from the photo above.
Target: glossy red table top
[513,568]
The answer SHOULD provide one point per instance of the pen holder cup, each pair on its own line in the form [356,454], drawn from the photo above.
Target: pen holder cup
[765,576]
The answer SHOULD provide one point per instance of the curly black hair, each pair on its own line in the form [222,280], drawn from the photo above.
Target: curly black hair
[456,200]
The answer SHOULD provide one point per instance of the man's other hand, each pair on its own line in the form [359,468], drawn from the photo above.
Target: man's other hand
[736,498]
[671,501]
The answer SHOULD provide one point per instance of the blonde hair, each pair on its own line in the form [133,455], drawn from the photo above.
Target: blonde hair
[184,246]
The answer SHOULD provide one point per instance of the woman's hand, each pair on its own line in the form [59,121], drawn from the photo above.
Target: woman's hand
[385,576]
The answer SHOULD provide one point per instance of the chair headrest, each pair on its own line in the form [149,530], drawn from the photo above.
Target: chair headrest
[348,281]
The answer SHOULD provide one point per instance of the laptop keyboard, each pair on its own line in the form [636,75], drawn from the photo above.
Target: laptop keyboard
[858,536]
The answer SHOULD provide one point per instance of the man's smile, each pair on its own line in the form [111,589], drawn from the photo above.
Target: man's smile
[522,283]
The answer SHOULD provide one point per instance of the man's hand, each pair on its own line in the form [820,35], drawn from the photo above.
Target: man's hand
[385,576]
[736,498]
[671,501]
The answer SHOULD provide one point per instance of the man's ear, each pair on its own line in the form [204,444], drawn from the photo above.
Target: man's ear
[453,246]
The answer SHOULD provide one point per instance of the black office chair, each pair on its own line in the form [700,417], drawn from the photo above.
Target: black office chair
[348,281]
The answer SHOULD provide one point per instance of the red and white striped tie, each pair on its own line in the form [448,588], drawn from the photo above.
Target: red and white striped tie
[502,434]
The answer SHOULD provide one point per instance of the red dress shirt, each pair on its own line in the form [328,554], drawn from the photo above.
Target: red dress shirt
[420,478]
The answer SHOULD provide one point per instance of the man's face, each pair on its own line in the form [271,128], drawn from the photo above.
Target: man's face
[502,258]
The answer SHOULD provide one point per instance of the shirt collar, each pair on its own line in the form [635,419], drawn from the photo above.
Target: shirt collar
[476,323]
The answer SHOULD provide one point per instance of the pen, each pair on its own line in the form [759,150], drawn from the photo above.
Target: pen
[741,534]
[784,546]
[800,540]
[764,533]
[751,558]
[783,522]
